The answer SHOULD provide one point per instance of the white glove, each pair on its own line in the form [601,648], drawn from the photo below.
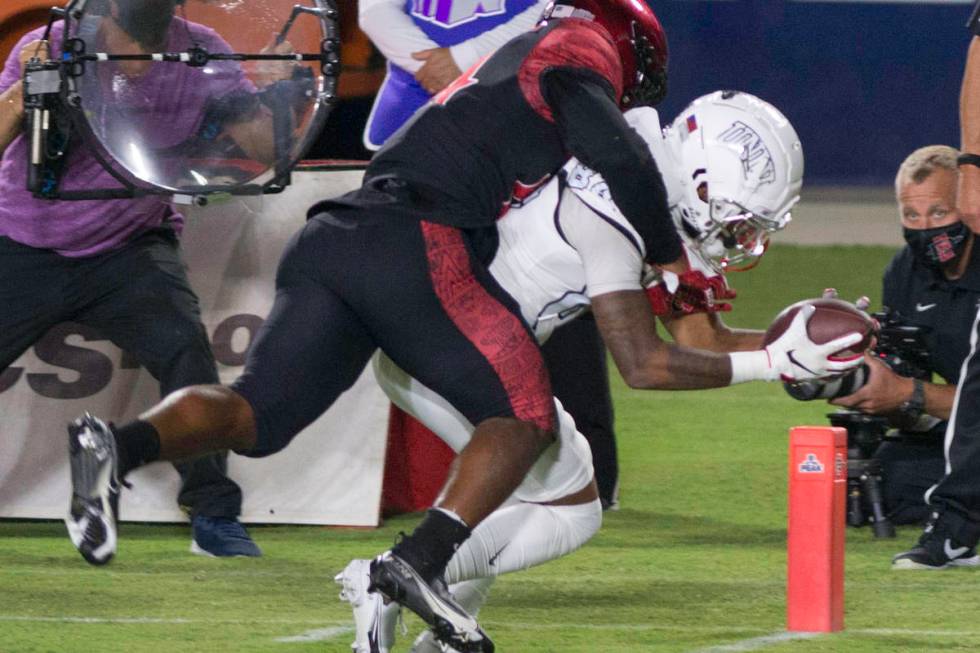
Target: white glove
[794,357]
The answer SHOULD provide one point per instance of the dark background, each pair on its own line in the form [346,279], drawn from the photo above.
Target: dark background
[863,83]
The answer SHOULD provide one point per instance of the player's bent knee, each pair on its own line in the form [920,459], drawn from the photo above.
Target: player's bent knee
[275,419]
[577,524]
[215,407]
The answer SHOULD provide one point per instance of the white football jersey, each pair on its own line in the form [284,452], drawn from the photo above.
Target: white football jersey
[564,245]
[569,242]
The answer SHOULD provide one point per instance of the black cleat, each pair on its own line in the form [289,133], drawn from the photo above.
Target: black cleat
[397,581]
[92,515]
[936,550]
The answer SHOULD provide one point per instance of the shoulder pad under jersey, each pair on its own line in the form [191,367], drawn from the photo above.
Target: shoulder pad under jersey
[592,189]
[646,122]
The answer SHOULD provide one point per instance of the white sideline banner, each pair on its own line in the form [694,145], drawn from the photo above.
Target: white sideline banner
[330,474]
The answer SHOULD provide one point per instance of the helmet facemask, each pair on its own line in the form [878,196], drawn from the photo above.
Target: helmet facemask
[740,168]
[651,79]
[736,237]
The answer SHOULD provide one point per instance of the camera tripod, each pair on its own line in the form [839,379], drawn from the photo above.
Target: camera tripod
[865,504]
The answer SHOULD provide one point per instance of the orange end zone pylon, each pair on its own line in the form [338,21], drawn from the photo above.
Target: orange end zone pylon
[817,518]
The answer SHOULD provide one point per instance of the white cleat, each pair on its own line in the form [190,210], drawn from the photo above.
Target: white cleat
[374,622]
[92,514]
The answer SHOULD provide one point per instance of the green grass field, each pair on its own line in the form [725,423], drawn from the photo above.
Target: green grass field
[694,561]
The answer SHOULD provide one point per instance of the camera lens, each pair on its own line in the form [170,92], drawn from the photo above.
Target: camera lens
[829,388]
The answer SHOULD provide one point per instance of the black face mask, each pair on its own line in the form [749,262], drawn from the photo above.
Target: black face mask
[146,21]
[936,247]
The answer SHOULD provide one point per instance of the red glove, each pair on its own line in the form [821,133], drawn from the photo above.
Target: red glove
[698,293]
[661,299]
[693,293]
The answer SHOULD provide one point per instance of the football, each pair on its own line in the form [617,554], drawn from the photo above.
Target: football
[833,318]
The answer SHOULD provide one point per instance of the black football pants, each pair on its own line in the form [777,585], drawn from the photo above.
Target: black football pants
[957,495]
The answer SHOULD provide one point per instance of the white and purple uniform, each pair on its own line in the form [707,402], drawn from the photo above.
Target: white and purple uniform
[563,245]
[471,29]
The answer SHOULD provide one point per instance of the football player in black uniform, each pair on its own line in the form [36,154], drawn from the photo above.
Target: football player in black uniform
[399,265]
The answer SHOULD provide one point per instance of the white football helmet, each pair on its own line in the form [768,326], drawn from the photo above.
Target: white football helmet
[740,163]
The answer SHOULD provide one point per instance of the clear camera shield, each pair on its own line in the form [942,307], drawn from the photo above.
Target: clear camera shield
[201,96]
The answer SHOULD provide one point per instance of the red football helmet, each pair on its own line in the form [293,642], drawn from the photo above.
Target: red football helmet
[638,36]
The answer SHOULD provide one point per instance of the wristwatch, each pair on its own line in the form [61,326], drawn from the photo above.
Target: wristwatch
[912,408]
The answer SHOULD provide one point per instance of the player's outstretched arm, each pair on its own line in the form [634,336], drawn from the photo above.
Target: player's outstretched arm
[708,331]
[646,361]
[629,330]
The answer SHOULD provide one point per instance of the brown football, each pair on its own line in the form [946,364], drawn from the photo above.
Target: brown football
[832,319]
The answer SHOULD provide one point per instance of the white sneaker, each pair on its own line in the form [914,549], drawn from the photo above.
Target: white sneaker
[374,622]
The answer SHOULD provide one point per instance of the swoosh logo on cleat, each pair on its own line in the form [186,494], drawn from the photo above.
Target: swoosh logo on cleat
[460,623]
[792,359]
[952,553]
[493,559]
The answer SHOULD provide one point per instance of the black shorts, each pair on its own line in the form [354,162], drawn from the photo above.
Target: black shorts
[349,283]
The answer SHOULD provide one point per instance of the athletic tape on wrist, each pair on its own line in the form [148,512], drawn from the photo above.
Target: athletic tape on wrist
[751,366]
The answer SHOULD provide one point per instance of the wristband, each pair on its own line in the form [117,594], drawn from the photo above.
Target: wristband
[966,159]
[751,366]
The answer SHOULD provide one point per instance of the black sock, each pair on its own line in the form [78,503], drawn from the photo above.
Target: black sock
[137,444]
[431,545]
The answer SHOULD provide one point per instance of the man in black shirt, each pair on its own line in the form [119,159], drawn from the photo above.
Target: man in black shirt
[951,535]
[934,283]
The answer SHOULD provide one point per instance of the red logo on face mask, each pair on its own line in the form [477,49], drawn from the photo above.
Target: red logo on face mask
[943,247]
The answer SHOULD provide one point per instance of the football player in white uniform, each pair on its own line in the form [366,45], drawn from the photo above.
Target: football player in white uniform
[733,168]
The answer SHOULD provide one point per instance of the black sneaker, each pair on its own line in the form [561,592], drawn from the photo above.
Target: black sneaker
[397,581]
[936,550]
[92,515]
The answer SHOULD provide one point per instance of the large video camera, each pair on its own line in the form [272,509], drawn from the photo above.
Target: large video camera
[902,347]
